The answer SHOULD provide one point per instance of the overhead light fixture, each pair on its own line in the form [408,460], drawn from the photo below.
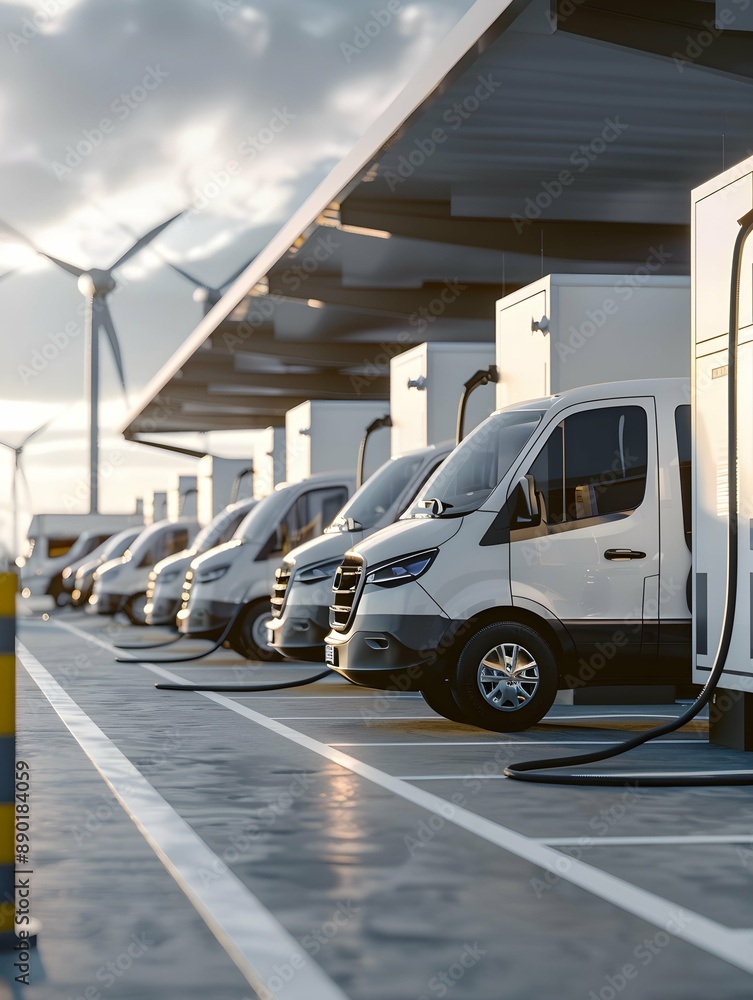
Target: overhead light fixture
[331,217]
[380,234]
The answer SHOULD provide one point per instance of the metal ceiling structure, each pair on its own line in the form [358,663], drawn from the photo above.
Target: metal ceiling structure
[559,136]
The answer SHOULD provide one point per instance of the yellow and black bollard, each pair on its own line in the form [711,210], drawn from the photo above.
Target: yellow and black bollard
[8,588]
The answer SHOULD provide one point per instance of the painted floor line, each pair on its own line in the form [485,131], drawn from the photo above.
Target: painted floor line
[248,932]
[690,839]
[732,945]
[504,743]
[356,718]
[451,777]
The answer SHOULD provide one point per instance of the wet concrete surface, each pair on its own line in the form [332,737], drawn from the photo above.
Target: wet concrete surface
[311,839]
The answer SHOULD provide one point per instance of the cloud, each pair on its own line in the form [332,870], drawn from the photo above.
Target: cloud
[145,105]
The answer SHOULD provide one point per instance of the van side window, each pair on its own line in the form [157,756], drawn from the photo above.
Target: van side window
[175,542]
[594,464]
[684,456]
[317,510]
[59,546]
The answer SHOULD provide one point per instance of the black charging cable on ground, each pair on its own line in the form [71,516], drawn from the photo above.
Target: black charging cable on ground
[195,656]
[244,687]
[219,687]
[151,645]
[536,770]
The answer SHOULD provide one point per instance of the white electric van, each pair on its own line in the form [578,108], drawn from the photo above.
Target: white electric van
[550,550]
[165,588]
[42,570]
[56,540]
[78,577]
[241,572]
[120,584]
[303,584]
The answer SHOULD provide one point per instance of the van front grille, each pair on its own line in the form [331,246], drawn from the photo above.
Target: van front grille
[279,590]
[346,587]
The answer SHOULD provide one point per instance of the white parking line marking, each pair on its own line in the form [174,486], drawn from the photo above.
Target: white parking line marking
[451,777]
[248,932]
[505,743]
[732,945]
[731,838]
[356,718]
[317,697]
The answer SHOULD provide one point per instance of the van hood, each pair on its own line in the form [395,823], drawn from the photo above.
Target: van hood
[323,548]
[404,537]
[216,556]
[108,566]
[180,560]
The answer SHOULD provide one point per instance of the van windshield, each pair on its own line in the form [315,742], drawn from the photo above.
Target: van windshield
[479,464]
[378,493]
[257,516]
[221,528]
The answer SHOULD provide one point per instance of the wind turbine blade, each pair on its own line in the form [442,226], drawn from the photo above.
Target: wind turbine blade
[104,318]
[188,277]
[10,231]
[34,433]
[70,268]
[237,274]
[140,244]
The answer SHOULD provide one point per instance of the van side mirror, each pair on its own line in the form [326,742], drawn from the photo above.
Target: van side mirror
[527,510]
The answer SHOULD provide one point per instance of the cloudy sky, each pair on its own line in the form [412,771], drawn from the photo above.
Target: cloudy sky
[114,116]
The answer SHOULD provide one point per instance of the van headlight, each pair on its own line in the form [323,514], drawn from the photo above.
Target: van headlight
[324,571]
[402,570]
[210,575]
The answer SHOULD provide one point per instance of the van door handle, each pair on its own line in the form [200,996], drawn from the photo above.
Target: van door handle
[619,554]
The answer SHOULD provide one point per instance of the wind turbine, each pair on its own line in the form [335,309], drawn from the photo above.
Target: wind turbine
[207,295]
[18,473]
[95,284]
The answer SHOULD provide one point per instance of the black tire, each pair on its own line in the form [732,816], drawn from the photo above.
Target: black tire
[440,699]
[58,593]
[491,704]
[245,637]
[133,609]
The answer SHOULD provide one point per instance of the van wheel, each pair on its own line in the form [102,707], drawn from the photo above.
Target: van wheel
[440,699]
[133,609]
[249,634]
[506,678]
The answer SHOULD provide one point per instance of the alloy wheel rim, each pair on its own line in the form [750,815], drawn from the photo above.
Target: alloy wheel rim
[259,631]
[508,677]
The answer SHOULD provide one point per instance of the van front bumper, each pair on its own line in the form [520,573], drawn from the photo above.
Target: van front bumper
[162,610]
[300,632]
[373,656]
[205,618]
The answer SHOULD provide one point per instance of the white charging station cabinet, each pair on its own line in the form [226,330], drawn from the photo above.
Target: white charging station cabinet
[323,435]
[568,330]
[716,208]
[216,478]
[155,507]
[269,460]
[182,502]
[426,384]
